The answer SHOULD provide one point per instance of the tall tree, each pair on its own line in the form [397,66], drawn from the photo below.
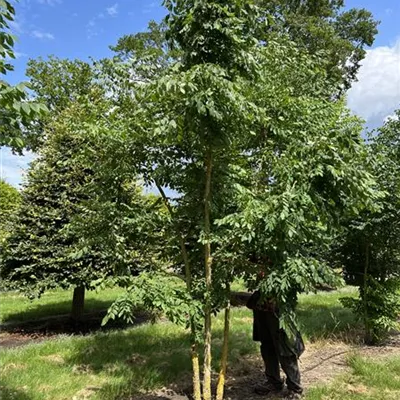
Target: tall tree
[38,254]
[242,130]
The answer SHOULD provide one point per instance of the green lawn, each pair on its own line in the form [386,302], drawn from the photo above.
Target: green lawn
[322,316]
[117,364]
[368,380]
[16,307]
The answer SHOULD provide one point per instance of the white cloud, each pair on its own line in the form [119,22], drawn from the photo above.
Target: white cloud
[50,2]
[391,117]
[42,35]
[13,167]
[113,10]
[377,92]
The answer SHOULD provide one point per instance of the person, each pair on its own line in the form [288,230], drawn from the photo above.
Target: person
[276,350]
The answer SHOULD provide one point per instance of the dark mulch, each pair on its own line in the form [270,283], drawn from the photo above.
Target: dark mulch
[20,333]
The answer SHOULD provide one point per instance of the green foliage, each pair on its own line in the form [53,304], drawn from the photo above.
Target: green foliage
[158,293]
[39,252]
[9,201]
[325,27]
[378,306]
[286,163]
[17,112]
[370,250]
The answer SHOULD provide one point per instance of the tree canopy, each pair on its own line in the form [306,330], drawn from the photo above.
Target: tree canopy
[249,133]
[17,112]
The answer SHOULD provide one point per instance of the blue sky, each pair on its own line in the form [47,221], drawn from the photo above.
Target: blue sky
[85,28]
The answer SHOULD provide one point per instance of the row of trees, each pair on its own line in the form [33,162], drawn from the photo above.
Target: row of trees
[237,108]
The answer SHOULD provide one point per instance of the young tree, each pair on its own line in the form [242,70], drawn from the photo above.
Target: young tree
[17,112]
[370,250]
[244,133]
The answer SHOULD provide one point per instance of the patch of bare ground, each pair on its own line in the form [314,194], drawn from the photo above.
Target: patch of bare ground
[320,364]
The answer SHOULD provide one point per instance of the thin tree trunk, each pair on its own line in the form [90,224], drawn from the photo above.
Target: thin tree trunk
[196,373]
[207,264]
[368,336]
[224,356]
[78,303]
[188,278]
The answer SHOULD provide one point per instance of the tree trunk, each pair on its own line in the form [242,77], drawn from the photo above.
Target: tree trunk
[207,265]
[196,373]
[224,356]
[188,278]
[368,333]
[78,303]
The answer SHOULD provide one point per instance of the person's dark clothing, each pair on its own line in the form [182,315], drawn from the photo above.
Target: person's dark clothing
[276,348]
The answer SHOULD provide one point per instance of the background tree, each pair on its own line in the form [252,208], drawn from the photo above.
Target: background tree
[325,27]
[370,250]
[9,201]
[57,83]
[17,112]
[38,254]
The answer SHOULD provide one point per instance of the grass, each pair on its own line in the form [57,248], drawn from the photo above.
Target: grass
[17,307]
[368,380]
[118,364]
[322,316]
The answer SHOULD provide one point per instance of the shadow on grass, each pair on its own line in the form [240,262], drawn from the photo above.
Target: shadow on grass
[39,311]
[49,319]
[136,360]
[12,394]
[149,358]
[322,322]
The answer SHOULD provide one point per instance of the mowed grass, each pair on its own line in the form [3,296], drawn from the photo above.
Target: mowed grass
[15,306]
[119,364]
[322,316]
[367,380]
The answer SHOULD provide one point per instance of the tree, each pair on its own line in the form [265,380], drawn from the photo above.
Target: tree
[324,26]
[17,112]
[370,250]
[9,201]
[244,133]
[36,256]
[57,83]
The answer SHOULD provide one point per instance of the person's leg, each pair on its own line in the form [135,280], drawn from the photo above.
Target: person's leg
[271,362]
[290,367]
[270,356]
